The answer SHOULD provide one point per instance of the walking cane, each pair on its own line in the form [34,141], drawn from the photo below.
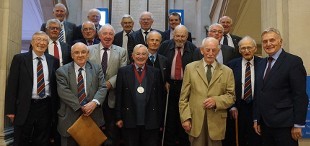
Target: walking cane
[167,99]
[237,132]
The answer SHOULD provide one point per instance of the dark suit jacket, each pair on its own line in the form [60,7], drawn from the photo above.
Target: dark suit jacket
[281,99]
[78,33]
[118,41]
[125,98]
[69,31]
[96,41]
[167,49]
[166,36]
[236,66]
[20,83]
[236,40]
[162,61]
[138,37]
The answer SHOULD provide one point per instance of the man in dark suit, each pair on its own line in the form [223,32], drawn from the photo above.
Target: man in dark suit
[30,93]
[123,38]
[244,69]
[82,90]
[67,28]
[89,34]
[92,16]
[179,53]
[139,108]
[146,21]
[174,20]
[280,106]
[58,49]
[231,40]
[156,60]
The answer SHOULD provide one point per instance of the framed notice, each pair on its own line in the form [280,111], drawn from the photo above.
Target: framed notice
[104,16]
[306,130]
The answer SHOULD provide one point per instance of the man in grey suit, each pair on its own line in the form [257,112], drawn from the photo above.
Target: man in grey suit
[111,58]
[82,90]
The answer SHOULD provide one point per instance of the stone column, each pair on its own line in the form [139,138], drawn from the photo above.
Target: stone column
[10,44]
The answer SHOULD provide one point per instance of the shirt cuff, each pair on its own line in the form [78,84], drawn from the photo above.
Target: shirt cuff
[299,126]
[97,102]
[233,108]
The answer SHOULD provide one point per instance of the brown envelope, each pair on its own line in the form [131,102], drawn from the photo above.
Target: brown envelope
[86,132]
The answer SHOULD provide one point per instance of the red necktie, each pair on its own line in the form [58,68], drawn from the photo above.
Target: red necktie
[178,65]
[56,52]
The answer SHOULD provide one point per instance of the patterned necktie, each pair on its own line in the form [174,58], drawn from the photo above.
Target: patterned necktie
[145,36]
[178,65]
[81,88]
[225,41]
[56,52]
[270,59]
[152,58]
[247,83]
[209,73]
[40,79]
[104,61]
[61,35]
[89,42]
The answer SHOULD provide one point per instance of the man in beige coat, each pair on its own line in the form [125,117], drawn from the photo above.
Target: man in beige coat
[208,89]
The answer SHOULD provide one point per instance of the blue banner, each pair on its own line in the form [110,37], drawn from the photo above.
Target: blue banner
[306,130]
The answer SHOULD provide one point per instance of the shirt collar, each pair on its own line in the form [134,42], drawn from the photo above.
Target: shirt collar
[214,64]
[77,67]
[276,56]
[34,56]
[244,62]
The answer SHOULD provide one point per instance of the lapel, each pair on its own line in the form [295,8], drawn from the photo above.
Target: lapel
[113,55]
[50,63]
[89,77]
[29,63]
[217,73]
[201,72]
[72,78]
[97,54]
[150,78]
[130,76]
[238,71]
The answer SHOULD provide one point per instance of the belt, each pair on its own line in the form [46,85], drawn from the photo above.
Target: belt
[39,101]
[175,81]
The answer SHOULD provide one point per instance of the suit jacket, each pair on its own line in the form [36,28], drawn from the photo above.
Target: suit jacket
[236,66]
[281,99]
[118,58]
[236,40]
[66,53]
[195,89]
[78,32]
[162,62]
[69,31]
[228,53]
[167,49]
[96,41]
[70,108]
[118,40]
[166,36]
[138,37]
[125,96]
[20,83]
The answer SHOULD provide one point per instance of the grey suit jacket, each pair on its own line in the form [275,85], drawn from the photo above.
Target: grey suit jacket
[69,110]
[117,59]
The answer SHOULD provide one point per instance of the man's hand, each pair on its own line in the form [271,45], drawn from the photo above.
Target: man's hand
[234,113]
[89,108]
[296,133]
[109,85]
[187,125]
[11,117]
[167,86]
[257,128]
[119,123]
[209,103]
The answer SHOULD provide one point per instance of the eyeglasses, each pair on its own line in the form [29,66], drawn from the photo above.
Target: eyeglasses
[88,29]
[40,40]
[53,28]
[243,49]
[216,31]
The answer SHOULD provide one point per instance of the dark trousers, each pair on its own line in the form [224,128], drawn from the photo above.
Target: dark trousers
[175,135]
[140,136]
[277,136]
[36,129]
[110,128]
[247,135]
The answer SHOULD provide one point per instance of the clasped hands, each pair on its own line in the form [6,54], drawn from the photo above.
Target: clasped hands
[88,108]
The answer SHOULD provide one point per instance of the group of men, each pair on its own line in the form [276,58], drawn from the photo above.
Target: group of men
[146,85]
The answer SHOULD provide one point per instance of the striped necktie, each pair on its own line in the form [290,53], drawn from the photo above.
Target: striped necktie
[247,83]
[81,88]
[40,79]
[61,35]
